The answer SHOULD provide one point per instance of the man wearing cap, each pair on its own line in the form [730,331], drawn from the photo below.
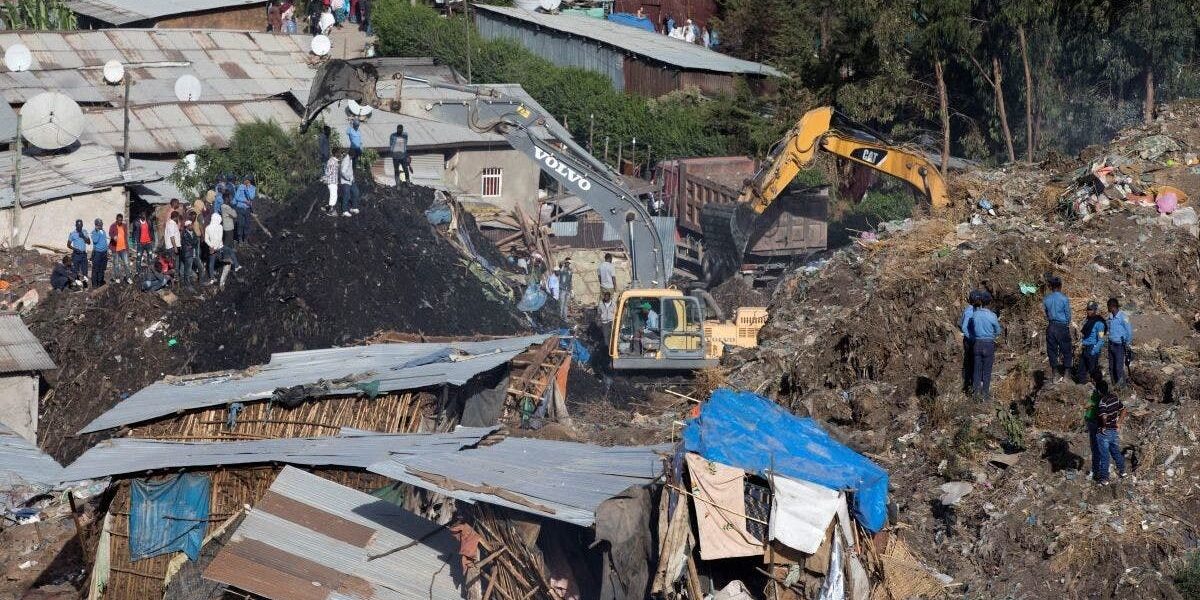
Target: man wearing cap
[986,327]
[99,253]
[1058,329]
[1120,336]
[968,340]
[78,240]
[1091,341]
[649,319]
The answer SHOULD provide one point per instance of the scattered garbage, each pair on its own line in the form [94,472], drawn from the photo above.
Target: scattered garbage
[1028,289]
[1153,147]
[953,492]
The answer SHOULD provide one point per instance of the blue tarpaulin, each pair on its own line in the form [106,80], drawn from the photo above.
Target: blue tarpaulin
[632,21]
[748,431]
[578,351]
[168,515]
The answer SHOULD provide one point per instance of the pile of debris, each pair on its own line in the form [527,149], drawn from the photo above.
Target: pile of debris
[869,344]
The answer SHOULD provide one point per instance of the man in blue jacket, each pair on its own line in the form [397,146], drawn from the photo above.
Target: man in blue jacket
[243,201]
[1120,336]
[1091,335]
[968,341]
[986,327]
[99,253]
[355,137]
[79,240]
[1058,329]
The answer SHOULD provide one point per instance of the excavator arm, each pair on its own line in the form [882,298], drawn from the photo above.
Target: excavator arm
[489,110]
[814,132]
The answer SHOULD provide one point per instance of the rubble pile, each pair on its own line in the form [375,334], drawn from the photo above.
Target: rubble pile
[998,495]
[318,281]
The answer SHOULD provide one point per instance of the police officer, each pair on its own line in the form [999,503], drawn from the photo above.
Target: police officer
[968,340]
[1058,329]
[1120,336]
[986,327]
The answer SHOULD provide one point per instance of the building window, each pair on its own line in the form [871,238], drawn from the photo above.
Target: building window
[492,180]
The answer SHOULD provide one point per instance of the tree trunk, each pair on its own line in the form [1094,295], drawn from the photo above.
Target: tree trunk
[1028,95]
[944,109]
[998,84]
[1148,104]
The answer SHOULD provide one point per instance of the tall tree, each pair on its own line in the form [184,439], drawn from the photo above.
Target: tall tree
[943,31]
[1157,35]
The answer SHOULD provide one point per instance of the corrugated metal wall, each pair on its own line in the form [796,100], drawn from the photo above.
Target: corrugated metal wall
[556,48]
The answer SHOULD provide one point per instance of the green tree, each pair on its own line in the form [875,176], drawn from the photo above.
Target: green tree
[1157,36]
[36,15]
[282,161]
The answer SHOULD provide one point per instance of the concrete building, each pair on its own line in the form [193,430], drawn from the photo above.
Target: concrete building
[22,360]
[246,15]
[637,61]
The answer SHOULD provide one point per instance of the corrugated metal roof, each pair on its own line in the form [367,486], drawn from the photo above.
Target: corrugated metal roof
[8,122]
[22,463]
[159,191]
[171,128]
[90,168]
[351,448]
[394,366]
[120,12]
[564,481]
[308,533]
[231,65]
[632,40]
[20,351]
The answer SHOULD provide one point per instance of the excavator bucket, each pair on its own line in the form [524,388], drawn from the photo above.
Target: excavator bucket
[350,80]
[727,229]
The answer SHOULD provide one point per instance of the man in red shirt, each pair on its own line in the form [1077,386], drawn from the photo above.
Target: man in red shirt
[143,236]
[118,239]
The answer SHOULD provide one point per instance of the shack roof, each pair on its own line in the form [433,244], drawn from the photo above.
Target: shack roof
[23,463]
[352,448]
[8,122]
[120,12]
[173,127]
[328,372]
[631,40]
[20,351]
[308,533]
[89,168]
[231,65]
[565,481]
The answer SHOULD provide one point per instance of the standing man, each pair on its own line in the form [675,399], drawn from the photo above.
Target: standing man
[1091,336]
[144,238]
[78,240]
[243,201]
[1058,329]
[987,328]
[323,152]
[330,179]
[99,253]
[118,239]
[606,312]
[398,146]
[274,17]
[355,137]
[213,235]
[229,220]
[608,274]
[968,340]
[1120,336]
[1104,415]
[187,253]
[346,177]
[564,285]
[171,235]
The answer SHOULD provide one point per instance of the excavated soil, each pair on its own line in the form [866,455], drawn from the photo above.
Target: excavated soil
[318,282]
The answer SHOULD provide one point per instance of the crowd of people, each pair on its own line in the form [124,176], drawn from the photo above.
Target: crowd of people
[188,245]
[1108,333]
[327,15]
[686,30]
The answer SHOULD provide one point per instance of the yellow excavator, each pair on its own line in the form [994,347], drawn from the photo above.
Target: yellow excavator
[728,227]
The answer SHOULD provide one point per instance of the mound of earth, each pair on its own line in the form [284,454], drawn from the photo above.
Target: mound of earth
[319,281]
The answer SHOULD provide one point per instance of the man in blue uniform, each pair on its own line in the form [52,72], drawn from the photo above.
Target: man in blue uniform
[1091,336]
[968,340]
[986,327]
[1058,329]
[1120,336]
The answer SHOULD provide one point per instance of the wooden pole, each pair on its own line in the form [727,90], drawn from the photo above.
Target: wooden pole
[16,220]
[591,130]
[125,110]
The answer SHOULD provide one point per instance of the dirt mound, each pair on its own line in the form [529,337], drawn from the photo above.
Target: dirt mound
[327,281]
[869,344]
[736,292]
[318,282]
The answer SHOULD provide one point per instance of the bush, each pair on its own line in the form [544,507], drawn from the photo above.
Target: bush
[677,125]
[1187,577]
[281,161]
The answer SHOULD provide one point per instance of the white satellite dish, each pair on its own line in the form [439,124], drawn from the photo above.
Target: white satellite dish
[114,71]
[187,88]
[51,120]
[549,5]
[321,45]
[18,58]
[358,110]
[189,160]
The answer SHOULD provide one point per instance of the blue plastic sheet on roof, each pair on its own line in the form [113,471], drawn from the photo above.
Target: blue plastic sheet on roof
[168,515]
[579,352]
[748,431]
[631,21]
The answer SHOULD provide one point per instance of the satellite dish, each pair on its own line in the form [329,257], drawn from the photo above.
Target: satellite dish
[114,71]
[18,58]
[51,120]
[358,110]
[321,45]
[189,160]
[549,5]
[187,88]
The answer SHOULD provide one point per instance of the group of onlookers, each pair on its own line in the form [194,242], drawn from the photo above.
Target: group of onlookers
[176,243]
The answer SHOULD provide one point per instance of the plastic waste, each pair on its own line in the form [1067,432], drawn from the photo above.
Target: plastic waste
[533,299]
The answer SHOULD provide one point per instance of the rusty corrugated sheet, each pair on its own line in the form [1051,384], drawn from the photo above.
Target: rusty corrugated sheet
[20,351]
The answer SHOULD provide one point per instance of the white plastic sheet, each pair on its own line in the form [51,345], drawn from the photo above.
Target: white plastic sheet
[802,511]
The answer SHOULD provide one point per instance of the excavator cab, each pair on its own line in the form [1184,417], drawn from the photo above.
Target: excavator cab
[659,329]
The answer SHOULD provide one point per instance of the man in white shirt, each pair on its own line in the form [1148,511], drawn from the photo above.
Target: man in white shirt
[606,313]
[608,274]
[330,178]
